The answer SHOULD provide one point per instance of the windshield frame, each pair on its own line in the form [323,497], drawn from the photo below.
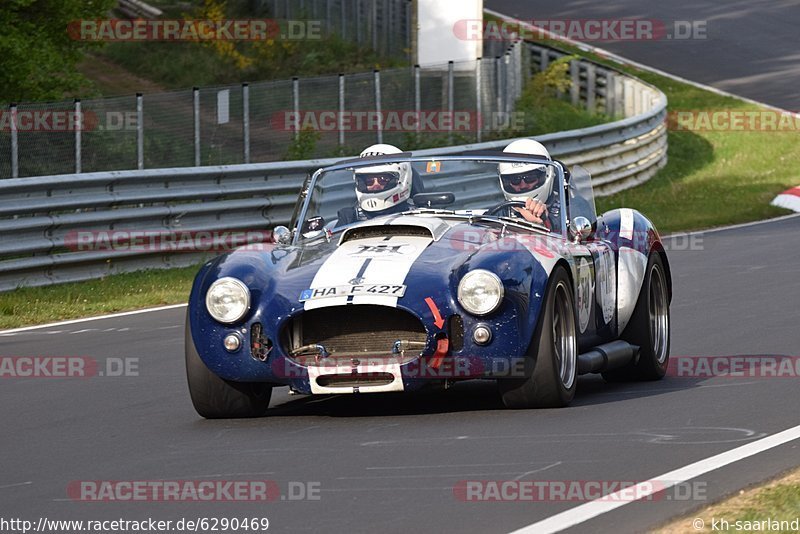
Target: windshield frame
[352,163]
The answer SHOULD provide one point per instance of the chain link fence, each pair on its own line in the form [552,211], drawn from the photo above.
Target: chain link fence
[383,25]
[266,121]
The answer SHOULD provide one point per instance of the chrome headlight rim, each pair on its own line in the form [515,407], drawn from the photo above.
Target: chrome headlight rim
[495,280]
[237,283]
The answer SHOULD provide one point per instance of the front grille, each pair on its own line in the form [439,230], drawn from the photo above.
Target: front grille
[355,331]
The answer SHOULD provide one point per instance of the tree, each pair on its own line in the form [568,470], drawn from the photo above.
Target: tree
[37,55]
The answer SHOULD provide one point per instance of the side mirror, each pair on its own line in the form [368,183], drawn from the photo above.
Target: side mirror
[282,235]
[580,229]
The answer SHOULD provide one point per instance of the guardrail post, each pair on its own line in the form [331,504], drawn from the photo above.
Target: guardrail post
[196,114]
[639,97]
[139,131]
[374,24]
[357,18]
[78,127]
[12,110]
[544,59]
[451,82]
[417,102]
[591,87]
[246,122]
[296,106]
[508,83]
[575,87]
[409,30]
[341,107]
[609,103]
[619,104]
[498,83]
[388,27]
[343,16]
[478,99]
[627,95]
[377,79]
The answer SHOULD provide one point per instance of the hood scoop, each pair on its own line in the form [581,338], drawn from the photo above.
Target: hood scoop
[412,226]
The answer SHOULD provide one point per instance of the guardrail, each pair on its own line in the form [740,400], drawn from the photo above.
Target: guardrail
[42,219]
[138,9]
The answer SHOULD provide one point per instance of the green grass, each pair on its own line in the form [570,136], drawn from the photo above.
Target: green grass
[713,178]
[778,500]
[780,503]
[121,292]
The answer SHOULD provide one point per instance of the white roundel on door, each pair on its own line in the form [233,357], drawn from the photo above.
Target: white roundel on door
[584,292]
[606,284]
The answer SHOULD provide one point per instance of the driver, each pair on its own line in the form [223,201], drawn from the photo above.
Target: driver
[380,190]
[530,183]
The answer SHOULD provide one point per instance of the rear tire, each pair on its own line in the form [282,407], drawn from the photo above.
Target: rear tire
[551,361]
[216,398]
[649,328]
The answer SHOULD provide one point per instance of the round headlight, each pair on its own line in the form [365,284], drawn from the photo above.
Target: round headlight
[480,292]
[227,300]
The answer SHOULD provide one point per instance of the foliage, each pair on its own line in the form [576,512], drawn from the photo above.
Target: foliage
[304,145]
[37,54]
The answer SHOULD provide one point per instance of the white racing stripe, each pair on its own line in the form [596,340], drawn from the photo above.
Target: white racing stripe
[387,263]
[643,490]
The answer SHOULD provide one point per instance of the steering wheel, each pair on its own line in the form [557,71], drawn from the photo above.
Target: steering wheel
[505,205]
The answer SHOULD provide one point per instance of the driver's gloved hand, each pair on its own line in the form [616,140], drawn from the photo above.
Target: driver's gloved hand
[534,211]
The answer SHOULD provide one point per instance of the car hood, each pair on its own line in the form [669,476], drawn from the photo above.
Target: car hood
[426,253]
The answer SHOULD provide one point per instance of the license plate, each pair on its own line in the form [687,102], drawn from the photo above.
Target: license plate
[353,290]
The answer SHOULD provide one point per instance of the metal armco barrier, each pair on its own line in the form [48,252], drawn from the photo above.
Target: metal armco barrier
[41,217]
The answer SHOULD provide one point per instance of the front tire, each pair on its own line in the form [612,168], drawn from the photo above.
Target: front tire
[216,398]
[649,328]
[551,371]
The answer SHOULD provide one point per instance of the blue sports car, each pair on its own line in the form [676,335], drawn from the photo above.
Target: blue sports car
[453,284]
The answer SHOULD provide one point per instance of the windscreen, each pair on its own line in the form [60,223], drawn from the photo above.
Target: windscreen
[344,196]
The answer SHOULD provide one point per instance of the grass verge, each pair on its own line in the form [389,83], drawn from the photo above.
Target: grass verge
[747,511]
[120,292]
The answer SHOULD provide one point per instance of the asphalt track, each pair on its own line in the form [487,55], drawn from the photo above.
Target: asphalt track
[750,47]
[388,463]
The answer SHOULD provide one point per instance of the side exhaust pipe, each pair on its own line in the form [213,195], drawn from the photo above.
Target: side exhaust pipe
[606,357]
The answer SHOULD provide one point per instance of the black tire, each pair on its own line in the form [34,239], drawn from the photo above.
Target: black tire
[215,398]
[551,362]
[648,328]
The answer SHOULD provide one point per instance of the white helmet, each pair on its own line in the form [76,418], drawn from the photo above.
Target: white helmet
[520,181]
[383,186]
